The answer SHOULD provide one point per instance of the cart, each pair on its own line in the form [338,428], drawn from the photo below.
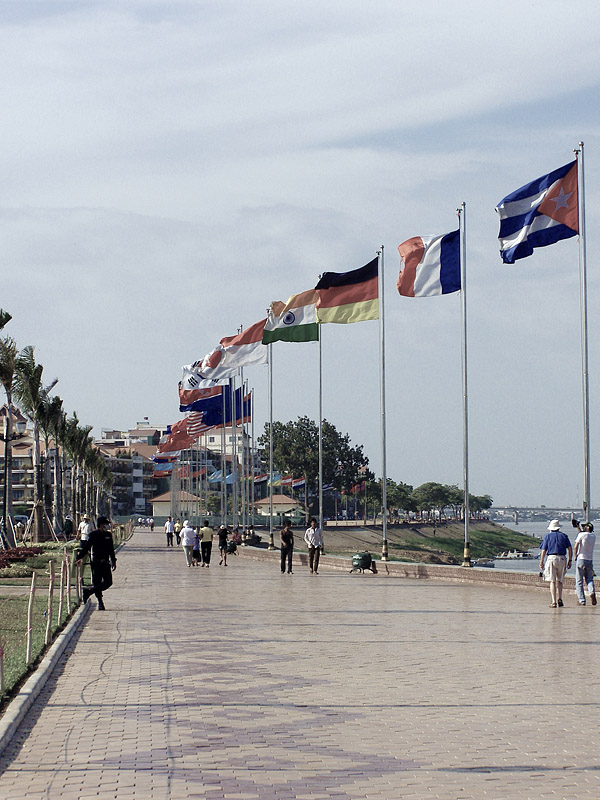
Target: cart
[363,561]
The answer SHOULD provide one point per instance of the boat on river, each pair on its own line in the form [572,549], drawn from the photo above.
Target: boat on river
[512,554]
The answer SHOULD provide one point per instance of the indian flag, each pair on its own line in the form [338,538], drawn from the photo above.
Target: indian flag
[294,321]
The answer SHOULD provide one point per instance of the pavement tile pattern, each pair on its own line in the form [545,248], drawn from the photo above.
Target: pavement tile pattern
[240,683]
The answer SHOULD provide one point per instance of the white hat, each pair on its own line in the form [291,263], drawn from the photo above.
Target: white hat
[186,522]
[554,525]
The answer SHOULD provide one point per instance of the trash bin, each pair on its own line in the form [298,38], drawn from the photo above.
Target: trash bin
[362,561]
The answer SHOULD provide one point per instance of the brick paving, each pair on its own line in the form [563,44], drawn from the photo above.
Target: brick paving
[242,683]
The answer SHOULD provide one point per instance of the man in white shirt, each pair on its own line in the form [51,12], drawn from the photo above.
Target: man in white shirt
[169,530]
[314,539]
[584,566]
[85,528]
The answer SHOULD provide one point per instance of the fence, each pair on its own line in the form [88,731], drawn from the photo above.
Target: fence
[31,618]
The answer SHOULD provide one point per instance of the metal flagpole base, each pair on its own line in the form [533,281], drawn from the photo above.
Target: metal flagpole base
[384,551]
[467,557]
[271,542]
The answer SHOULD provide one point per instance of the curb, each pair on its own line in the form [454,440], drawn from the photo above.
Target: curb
[20,705]
[22,702]
[402,569]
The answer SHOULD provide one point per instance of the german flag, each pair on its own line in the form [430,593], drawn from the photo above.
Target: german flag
[349,296]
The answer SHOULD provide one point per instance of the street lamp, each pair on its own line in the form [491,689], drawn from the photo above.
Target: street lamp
[7,438]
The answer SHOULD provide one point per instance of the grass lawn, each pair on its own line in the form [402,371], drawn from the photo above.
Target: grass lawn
[13,610]
[13,633]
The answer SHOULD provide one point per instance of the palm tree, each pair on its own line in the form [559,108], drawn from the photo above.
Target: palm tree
[99,478]
[76,442]
[49,413]
[61,437]
[8,361]
[59,423]
[5,318]
[31,395]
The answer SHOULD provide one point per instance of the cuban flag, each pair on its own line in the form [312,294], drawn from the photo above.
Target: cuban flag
[430,265]
[541,213]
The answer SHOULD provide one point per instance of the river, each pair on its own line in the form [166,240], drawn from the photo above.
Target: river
[536,528]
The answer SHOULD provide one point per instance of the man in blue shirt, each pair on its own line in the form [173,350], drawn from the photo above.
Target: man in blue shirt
[553,552]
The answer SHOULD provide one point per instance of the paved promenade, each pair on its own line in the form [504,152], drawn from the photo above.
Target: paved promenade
[242,683]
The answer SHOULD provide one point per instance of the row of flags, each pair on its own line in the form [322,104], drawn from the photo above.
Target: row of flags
[216,408]
[538,214]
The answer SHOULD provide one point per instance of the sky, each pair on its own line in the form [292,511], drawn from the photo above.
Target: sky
[170,168]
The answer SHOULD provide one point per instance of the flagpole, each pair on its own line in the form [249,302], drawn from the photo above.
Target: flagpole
[252,451]
[242,489]
[246,458]
[234,454]
[223,466]
[462,221]
[320,431]
[584,333]
[384,544]
[271,540]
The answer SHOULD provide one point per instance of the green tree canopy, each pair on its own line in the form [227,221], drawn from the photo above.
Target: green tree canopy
[399,495]
[296,452]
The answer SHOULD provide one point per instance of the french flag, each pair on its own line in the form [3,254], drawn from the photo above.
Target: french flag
[431,265]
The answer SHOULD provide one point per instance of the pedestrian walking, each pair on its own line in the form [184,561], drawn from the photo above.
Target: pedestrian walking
[84,528]
[188,537]
[151,525]
[196,550]
[553,560]
[100,546]
[177,529]
[223,534]
[206,536]
[68,527]
[286,538]
[584,562]
[169,529]
[314,539]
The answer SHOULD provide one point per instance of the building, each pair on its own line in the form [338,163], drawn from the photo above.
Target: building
[129,457]
[21,466]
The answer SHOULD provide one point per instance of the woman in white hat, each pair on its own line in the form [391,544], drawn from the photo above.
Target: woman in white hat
[188,537]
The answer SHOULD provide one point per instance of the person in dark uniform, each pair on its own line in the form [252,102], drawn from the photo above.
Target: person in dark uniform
[287,547]
[102,560]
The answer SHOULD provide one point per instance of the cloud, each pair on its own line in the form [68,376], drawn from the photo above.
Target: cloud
[170,168]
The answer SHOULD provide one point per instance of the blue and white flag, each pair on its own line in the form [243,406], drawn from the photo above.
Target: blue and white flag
[430,265]
[541,213]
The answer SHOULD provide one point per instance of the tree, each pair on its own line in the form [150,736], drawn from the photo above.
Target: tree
[399,495]
[8,362]
[456,499]
[77,439]
[479,503]
[296,452]
[431,496]
[5,318]
[31,394]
